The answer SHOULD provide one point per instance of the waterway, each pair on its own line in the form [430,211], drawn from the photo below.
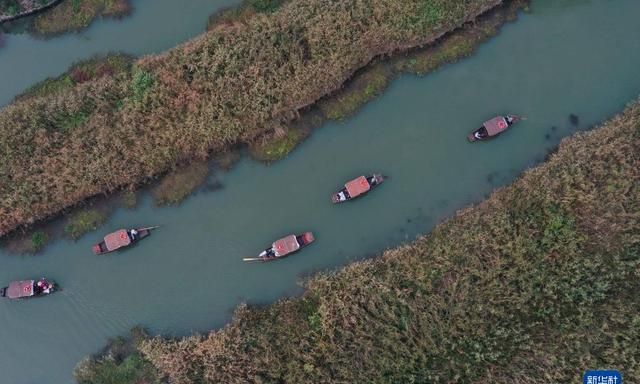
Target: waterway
[581,58]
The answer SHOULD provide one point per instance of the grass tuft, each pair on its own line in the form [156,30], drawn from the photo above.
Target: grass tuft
[371,83]
[83,221]
[277,148]
[74,15]
[180,183]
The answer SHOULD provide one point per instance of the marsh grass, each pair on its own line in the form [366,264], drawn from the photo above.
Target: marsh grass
[180,183]
[28,243]
[80,72]
[74,15]
[276,147]
[120,363]
[11,8]
[216,92]
[82,221]
[534,284]
[129,199]
[363,88]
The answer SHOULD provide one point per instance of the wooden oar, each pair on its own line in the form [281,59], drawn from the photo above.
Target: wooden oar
[252,259]
[148,228]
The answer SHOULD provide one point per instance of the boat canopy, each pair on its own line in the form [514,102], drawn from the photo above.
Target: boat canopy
[19,289]
[286,245]
[495,125]
[357,186]
[117,239]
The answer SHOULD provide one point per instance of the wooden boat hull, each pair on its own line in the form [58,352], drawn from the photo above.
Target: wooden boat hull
[304,240]
[379,179]
[472,137]
[11,293]
[101,247]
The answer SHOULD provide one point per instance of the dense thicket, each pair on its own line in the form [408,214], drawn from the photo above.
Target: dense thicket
[536,284]
[100,131]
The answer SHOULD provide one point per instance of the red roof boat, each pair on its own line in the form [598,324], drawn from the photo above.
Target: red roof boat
[356,187]
[120,239]
[27,288]
[283,247]
[493,127]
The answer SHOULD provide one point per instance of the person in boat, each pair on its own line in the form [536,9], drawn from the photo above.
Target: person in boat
[42,286]
[133,234]
[481,133]
[510,119]
[343,195]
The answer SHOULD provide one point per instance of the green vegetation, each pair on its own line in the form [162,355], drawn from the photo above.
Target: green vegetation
[29,243]
[277,147]
[74,15]
[364,87]
[13,8]
[81,72]
[533,284]
[38,240]
[10,8]
[129,199]
[180,183]
[226,160]
[83,221]
[240,15]
[120,364]
[203,97]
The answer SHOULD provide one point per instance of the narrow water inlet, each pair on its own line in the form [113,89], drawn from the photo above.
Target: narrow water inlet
[188,276]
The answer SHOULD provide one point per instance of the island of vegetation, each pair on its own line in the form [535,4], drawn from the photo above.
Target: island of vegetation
[60,16]
[114,125]
[533,284]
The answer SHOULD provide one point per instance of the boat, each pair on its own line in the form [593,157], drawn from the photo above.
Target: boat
[28,288]
[357,187]
[283,247]
[120,239]
[493,127]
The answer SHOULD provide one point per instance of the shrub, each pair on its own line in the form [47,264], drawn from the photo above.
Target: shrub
[39,240]
[83,221]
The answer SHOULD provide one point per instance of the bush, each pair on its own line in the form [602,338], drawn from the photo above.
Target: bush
[83,221]
[39,240]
